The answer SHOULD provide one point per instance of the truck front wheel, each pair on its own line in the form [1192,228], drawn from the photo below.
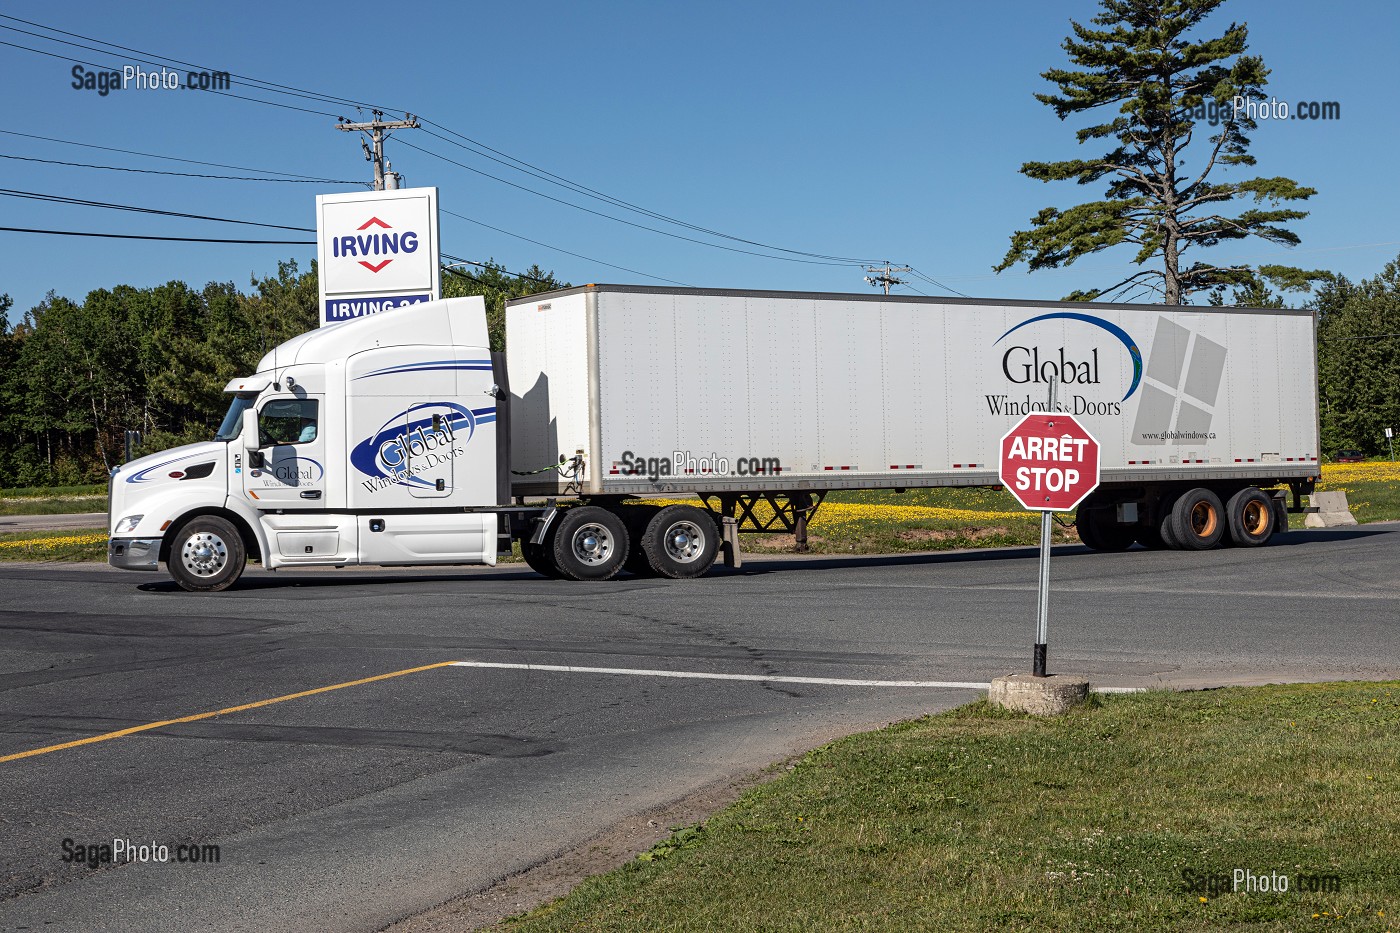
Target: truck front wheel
[206,555]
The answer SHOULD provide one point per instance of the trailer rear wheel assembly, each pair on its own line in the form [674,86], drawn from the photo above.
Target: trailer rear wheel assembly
[206,555]
[1197,520]
[1098,529]
[1251,517]
[590,543]
[1150,536]
[681,541]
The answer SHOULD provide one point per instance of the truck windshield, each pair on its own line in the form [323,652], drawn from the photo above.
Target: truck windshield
[233,421]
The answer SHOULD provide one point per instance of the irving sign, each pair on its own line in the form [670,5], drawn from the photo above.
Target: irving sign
[377,250]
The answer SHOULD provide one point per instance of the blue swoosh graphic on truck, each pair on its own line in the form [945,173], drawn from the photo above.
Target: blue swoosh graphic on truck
[1109,326]
[386,452]
[140,475]
[429,366]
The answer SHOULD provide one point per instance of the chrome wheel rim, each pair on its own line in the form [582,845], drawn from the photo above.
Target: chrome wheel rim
[685,542]
[204,554]
[593,544]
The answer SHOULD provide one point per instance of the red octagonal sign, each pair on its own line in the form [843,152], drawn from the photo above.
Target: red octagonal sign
[1049,462]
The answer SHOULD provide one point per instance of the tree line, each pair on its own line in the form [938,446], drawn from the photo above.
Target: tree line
[75,377]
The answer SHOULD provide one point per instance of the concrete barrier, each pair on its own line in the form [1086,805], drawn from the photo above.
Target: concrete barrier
[1039,696]
[1332,510]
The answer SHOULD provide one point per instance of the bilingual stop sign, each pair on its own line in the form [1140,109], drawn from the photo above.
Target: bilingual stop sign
[1049,462]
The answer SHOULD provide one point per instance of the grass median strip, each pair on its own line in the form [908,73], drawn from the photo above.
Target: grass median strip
[1153,811]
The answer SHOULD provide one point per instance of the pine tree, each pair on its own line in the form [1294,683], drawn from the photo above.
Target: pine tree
[1156,87]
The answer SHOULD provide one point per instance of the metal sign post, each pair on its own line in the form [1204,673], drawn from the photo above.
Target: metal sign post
[1042,612]
[1390,439]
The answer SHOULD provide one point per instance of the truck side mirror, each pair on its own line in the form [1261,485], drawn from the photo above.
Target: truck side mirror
[250,430]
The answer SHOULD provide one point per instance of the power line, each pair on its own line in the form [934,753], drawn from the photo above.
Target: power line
[81,61]
[154,171]
[81,202]
[491,265]
[559,249]
[621,220]
[156,155]
[174,239]
[153,58]
[550,177]
[935,282]
[509,161]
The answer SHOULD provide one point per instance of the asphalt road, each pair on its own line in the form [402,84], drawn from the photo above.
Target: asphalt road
[350,808]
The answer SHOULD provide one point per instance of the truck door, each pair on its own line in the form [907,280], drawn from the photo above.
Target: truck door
[429,436]
[290,471]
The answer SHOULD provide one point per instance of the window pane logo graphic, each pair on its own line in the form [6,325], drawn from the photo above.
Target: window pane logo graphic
[1180,387]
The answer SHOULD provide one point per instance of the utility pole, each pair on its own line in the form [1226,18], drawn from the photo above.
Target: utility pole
[375,128]
[884,275]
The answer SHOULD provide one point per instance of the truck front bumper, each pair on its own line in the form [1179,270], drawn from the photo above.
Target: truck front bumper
[134,553]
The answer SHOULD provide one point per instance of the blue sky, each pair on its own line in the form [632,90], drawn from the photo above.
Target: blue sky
[893,131]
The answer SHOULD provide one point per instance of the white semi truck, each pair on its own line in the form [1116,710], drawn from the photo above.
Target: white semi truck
[399,439]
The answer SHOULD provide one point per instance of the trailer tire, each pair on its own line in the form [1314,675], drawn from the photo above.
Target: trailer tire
[1098,530]
[1251,517]
[1198,520]
[681,542]
[1150,536]
[206,555]
[1165,526]
[1280,507]
[590,543]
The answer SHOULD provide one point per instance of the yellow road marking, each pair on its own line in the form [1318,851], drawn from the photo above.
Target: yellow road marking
[221,712]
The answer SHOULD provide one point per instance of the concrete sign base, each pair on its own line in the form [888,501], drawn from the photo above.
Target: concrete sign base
[1039,696]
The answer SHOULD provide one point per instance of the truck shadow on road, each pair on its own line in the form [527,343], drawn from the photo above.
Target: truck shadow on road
[754,565]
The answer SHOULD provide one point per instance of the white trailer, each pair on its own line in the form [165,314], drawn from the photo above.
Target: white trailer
[1196,408]
[400,439]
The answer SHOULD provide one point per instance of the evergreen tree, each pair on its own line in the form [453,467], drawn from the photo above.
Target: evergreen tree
[1155,85]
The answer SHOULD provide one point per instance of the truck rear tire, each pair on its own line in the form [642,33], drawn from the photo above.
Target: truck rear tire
[1198,520]
[537,556]
[206,555]
[681,542]
[590,543]
[1099,531]
[1250,513]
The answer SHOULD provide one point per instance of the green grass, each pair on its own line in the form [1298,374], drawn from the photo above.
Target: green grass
[978,819]
[1370,500]
[49,492]
[54,500]
[82,544]
[66,505]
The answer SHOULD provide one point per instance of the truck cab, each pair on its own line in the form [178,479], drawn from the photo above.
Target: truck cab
[367,442]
